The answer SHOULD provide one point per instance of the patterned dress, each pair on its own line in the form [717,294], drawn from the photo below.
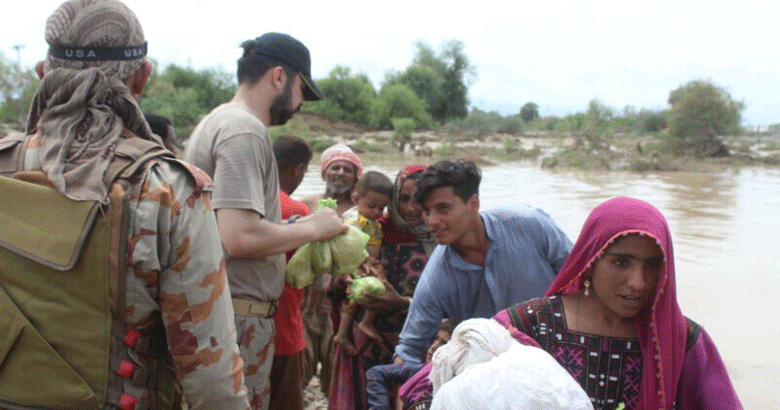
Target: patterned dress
[404,263]
[609,369]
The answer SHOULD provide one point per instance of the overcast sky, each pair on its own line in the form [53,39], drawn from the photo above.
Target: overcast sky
[558,54]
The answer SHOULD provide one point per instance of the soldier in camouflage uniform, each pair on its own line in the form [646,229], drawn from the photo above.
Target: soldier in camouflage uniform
[177,288]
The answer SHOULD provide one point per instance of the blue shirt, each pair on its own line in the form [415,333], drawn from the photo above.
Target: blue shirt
[526,250]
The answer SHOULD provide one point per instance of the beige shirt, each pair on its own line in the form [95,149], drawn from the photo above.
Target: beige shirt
[233,147]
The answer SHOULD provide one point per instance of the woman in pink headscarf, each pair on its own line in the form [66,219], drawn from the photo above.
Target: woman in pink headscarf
[611,318]
[404,252]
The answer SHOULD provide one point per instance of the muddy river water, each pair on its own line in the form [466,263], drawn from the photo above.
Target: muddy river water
[725,228]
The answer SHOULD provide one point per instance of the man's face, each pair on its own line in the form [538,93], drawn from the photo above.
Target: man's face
[288,102]
[448,216]
[340,177]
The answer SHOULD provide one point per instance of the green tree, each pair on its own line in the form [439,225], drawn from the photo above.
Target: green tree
[349,97]
[442,81]
[699,109]
[400,101]
[402,132]
[185,95]
[529,112]
[17,88]
[180,105]
[212,87]
[597,119]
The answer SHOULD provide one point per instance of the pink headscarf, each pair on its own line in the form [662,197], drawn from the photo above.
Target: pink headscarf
[661,326]
[341,152]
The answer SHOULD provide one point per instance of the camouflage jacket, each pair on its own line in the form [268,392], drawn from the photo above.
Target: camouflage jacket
[176,280]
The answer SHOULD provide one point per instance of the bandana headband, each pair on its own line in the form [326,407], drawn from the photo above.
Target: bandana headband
[123,53]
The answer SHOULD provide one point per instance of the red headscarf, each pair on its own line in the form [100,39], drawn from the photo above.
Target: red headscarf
[394,227]
[660,326]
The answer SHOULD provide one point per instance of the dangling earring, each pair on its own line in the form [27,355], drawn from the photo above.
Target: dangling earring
[586,283]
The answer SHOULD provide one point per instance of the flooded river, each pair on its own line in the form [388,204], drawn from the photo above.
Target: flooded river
[724,227]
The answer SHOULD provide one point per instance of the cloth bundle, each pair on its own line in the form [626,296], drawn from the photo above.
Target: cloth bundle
[483,366]
[473,341]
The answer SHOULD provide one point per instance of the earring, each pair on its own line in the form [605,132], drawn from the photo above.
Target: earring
[586,283]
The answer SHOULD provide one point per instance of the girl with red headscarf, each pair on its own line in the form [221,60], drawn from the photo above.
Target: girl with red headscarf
[611,318]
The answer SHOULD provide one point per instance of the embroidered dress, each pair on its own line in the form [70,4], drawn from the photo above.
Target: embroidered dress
[404,254]
[608,369]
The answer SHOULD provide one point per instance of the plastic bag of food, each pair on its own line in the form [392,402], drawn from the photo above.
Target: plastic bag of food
[348,251]
[300,272]
[340,255]
[321,258]
[368,284]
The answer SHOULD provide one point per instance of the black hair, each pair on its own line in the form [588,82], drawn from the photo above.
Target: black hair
[291,150]
[463,176]
[158,124]
[253,65]
[447,325]
[374,181]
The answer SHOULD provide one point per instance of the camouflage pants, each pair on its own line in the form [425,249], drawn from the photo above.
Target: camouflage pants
[256,344]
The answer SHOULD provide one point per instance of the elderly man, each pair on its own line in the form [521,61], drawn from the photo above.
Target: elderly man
[141,314]
[232,145]
[341,168]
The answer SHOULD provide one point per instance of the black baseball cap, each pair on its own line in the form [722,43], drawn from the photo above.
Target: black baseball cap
[288,50]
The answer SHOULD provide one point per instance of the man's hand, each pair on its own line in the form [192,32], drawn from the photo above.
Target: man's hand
[327,223]
[391,300]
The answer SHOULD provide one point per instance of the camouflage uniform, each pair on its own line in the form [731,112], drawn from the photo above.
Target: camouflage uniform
[176,280]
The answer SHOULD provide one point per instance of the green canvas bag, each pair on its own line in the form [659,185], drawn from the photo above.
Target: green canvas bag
[63,340]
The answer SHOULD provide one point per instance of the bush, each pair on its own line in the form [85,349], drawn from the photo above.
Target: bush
[348,97]
[399,101]
[700,108]
[319,145]
[295,126]
[402,133]
[511,145]
[510,125]
[529,112]
[478,123]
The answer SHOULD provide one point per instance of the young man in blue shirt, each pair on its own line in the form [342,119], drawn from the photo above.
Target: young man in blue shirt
[486,261]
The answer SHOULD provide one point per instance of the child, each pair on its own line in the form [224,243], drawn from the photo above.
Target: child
[380,379]
[372,193]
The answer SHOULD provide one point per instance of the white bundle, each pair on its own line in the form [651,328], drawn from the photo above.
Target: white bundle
[473,341]
[522,378]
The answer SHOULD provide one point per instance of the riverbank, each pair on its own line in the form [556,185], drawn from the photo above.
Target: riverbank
[552,150]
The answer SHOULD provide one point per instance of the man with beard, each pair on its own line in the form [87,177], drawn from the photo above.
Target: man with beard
[341,168]
[232,145]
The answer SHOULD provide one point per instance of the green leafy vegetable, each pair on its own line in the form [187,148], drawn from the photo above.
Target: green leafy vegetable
[368,284]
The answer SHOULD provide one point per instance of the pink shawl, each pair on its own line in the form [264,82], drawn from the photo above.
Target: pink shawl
[661,326]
